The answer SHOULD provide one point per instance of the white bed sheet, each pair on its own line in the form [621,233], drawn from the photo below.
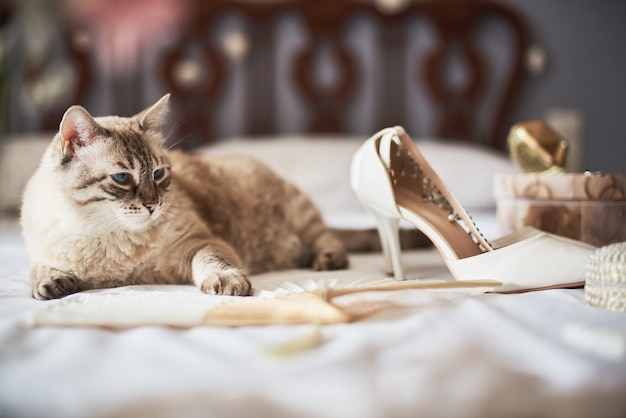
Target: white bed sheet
[444,353]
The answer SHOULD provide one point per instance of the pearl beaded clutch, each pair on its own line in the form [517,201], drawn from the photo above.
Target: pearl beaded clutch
[605,284]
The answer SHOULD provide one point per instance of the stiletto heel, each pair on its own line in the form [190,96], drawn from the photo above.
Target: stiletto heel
[393,180]
[388,230]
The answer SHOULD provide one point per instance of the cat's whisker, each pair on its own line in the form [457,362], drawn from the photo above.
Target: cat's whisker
[181,140]
[174,128]
[108,220]
[171,132]
[102,221]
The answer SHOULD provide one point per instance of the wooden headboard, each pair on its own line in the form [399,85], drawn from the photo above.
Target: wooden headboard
[441,68]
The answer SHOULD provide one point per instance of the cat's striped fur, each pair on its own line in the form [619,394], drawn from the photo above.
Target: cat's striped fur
[110,206]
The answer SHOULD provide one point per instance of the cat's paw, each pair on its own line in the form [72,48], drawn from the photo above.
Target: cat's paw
[55,287]
[230,281]
[331,259]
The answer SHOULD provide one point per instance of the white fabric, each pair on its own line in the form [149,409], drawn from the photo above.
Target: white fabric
[445,353]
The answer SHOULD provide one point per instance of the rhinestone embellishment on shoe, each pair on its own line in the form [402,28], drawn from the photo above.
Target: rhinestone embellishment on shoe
[431,193]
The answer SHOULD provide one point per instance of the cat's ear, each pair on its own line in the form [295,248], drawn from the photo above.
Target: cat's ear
[78,128]
[151,118]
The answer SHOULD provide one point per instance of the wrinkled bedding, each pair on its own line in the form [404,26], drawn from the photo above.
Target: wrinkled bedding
[436,353]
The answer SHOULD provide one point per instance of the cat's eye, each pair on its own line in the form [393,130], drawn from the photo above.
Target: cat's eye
[158,173]
[122,178]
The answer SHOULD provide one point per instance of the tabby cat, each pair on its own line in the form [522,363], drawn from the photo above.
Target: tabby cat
[109,205]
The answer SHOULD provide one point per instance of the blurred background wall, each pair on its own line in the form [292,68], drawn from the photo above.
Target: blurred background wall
[585,72]
[575,80]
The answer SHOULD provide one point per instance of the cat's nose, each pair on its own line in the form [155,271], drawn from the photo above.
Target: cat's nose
[151,207]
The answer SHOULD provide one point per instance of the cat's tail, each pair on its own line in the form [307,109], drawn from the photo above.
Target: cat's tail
[367,240]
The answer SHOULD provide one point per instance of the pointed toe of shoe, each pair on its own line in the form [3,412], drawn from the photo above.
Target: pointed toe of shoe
[538,261]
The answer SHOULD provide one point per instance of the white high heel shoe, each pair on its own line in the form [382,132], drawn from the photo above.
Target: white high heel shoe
[393,181]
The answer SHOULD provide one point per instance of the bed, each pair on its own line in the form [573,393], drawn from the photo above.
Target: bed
[140,351]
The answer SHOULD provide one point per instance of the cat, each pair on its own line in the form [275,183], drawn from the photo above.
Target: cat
[109,206]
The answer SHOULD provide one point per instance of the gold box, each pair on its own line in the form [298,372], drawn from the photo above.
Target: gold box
[589,207]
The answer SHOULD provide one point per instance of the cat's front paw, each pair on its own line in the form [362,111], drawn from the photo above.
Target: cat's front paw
[55,287]
[331,259]
[229,281]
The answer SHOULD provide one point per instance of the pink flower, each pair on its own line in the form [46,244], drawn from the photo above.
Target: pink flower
[125,30]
